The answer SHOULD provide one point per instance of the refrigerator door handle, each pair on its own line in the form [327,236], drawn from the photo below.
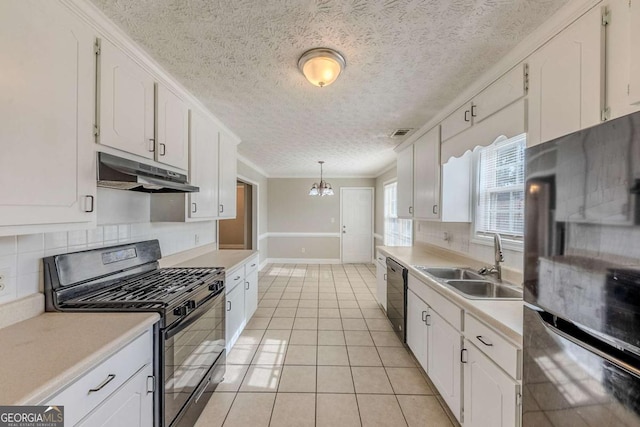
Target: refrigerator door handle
[608,357]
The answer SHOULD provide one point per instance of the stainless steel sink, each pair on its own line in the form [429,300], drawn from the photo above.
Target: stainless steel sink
[451,273]
[484,289]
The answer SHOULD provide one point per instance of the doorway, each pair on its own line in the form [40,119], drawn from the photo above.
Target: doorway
[356,218]
[238,233]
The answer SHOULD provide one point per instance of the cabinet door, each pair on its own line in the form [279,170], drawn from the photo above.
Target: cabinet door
[235,315]
[250,294]
[417,329]
[426,172]
[490,395]
[47,169]
[131,405]
[445,368]
[227,177]
[458,121]
[456,189]
[125,104]
[567,81]
[381,281]
[404,198]
[507,89]
[203,167]
[634,59]
[172,129]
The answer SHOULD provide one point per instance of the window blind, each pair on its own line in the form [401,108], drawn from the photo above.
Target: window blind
[500,188]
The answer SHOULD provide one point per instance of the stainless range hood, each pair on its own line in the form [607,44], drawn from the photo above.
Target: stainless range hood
[124,174]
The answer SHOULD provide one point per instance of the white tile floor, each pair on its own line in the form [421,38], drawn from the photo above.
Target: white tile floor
[320,352]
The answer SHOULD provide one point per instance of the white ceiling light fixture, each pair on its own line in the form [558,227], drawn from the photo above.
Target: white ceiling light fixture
[321,66]
[322,189]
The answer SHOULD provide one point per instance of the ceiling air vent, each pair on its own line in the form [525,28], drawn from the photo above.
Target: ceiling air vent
[401,132]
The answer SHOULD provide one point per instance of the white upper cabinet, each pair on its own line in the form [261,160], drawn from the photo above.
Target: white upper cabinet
[203,167]
[405,183]
[566,81]
[47,168]
[458,121]
[172,129]
[228,176]
[426,168]
[125,102]
[504,91]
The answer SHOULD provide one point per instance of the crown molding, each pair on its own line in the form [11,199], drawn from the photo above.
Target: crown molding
[534,41]
[252,165]
[105,28]
[386,169]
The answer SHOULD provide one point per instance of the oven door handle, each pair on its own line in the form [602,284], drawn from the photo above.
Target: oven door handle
[196,314]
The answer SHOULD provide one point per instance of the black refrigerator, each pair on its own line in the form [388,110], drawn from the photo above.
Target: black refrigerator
[581,359]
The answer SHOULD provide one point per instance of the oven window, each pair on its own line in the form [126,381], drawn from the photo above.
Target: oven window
[190,354]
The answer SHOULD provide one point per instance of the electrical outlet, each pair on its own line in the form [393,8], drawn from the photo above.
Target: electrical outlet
[197,239]
[303,250]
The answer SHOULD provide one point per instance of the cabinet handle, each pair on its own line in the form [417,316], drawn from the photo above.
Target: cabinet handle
[247,286]
[427,320]
[236,278]
[163,149]
[91,205]
[151,384]
[221,208]
[110,378]
[466,116]
[194,207]
[228,305]
[473,110]
[463,356]
[385,276]
[152,145]
[435,209]
[423,314]
[253,265]
[482,340]
[411,210]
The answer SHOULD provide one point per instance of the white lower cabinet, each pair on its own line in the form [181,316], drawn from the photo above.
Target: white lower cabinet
[117,392]
[235,314]
[131,405]
[251,288]
[381,282]
[444,365]
[417,328]
[490,395]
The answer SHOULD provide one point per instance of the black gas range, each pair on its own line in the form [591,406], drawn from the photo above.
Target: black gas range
[190,337]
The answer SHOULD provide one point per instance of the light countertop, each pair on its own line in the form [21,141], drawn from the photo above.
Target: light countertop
[504,316]
[44,354]
[229,259]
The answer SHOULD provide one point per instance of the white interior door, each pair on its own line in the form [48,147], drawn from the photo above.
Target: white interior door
[357,224]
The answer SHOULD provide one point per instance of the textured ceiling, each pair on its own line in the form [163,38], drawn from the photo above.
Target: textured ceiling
[405,61]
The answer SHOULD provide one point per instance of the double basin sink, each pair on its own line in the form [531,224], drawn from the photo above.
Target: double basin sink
[472,285]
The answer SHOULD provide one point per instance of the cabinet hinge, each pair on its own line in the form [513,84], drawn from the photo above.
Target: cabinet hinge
[526,78]
[518,399]
[606,17]
[96,47]
[605,114]
[96,131]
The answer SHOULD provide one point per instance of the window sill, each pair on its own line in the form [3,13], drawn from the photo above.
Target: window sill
[512,245]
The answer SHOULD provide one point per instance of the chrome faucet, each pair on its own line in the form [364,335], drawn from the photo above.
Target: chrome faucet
[499,258]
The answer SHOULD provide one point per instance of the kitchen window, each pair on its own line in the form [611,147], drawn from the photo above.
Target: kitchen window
[499,189]
[397,232]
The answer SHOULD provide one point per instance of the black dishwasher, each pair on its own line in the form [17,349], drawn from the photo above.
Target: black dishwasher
[397,297]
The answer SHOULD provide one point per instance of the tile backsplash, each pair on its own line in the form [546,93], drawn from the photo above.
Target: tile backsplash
[21,256]
[458,239]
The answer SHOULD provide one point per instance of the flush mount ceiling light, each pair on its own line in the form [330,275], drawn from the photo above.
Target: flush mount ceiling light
[322,189]
[321,66]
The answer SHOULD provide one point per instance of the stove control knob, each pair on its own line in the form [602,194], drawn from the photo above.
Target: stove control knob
[191,304]
[180,311]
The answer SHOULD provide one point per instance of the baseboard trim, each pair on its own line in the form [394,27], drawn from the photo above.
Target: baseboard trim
[263,264]
[304,261]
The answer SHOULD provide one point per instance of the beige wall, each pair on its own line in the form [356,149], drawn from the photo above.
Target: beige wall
[292,210]
[245,171]
[379,228]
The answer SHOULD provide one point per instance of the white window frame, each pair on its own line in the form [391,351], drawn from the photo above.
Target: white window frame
[480,237]
[384,215]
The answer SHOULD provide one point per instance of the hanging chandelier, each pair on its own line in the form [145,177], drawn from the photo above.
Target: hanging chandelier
[322,189]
